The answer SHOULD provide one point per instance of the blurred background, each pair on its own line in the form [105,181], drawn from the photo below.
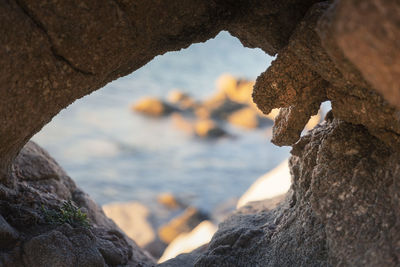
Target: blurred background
[116,154]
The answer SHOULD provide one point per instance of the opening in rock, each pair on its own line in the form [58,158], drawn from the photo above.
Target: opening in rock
[315,119]
[117,155]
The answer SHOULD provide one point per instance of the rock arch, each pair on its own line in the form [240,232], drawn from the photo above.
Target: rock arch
[345,194]
[56,52]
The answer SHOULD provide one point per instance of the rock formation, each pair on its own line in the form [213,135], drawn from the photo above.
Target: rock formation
[153,107]
[206,119]
[331,217]
[343,207]
[31,237]
[56,52]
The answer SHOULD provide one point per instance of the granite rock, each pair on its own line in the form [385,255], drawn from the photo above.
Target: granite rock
[41,187]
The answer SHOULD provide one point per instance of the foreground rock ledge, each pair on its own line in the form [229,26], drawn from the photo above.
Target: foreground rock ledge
[343,208]
[54,52]
[331,217]
[28,238]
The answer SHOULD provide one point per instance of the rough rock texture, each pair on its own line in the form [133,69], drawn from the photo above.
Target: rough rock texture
[279,18]
[353,188]
[343,208]
[372,44]
[53,52]
[307,73]
[8,235]
[289,84]
[29,239]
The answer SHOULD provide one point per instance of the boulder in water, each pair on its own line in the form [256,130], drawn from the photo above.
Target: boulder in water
[168,200]
[182,100]
[208,129]
[153,107]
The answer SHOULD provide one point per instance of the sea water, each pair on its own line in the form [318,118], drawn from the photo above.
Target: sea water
[117,155]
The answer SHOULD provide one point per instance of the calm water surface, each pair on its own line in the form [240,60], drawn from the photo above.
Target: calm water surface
[116,155]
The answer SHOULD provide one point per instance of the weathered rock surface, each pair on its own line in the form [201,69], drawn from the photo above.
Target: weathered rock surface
[51,249]
[30,238]
[8,235]
[312,69]
[86,45]
[331,216]
[55,52]
[370,44]
[184,259]
[343,208]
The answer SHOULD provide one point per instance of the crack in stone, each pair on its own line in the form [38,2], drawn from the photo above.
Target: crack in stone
[53,50]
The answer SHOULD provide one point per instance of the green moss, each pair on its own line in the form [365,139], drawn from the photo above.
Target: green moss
[67,213]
